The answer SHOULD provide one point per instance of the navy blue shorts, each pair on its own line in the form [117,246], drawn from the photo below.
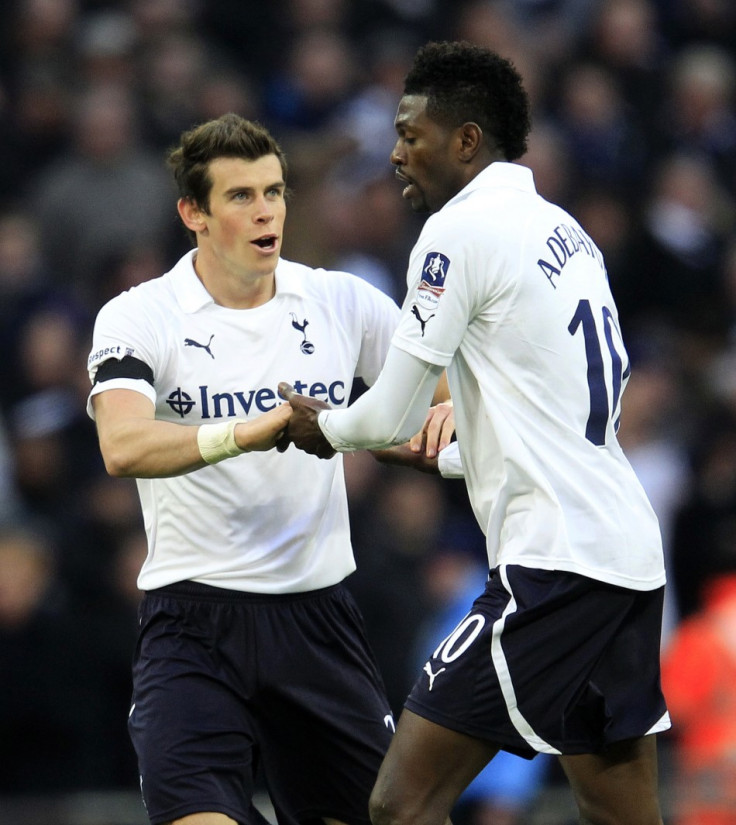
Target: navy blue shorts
[549,662]
[227,684]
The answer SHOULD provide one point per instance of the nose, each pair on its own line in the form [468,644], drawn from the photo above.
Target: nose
[264,211]
[397,157]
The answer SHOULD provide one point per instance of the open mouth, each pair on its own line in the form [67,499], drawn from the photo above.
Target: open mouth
[267,242]
[408,184]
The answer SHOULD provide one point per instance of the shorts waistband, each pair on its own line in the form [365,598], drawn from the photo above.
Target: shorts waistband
[207,592]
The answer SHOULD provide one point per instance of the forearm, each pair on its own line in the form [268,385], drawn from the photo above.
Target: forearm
[442,391]
[136,445]
[146,448]
[391,412]
[427,449]
[404,456]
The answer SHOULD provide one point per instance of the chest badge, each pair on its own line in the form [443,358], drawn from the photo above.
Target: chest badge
[307,347]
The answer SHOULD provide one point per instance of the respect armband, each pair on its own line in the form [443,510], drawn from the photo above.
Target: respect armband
[216,442]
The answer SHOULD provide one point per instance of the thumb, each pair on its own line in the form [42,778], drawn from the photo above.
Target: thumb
[286,391]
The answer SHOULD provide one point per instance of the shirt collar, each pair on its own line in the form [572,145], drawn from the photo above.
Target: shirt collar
[498,175]
[192,296]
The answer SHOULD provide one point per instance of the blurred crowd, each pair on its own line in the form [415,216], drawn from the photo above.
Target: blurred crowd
[634,110]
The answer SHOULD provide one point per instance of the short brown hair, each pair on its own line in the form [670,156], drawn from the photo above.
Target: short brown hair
[228,136]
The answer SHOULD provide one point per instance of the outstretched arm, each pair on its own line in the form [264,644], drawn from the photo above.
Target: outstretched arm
[135,445]
[389,413]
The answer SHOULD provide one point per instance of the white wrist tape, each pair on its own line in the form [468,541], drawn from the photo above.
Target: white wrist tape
[217,441]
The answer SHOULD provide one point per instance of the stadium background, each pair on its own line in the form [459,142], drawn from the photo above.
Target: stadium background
[634,131]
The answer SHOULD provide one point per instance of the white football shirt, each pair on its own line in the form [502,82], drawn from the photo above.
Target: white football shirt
[509,292]
[262,522]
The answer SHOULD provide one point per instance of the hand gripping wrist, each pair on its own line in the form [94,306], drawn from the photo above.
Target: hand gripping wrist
[217,441]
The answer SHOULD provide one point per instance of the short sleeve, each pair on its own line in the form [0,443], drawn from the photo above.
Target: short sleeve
[439,301]
[122,329]
[379,317]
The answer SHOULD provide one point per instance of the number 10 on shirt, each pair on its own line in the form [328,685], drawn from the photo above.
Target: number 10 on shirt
[600,409]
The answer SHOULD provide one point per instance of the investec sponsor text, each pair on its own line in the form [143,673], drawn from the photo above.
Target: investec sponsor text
[228,404]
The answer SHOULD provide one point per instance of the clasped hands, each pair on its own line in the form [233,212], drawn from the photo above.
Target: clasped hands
[302,429]
[420,452]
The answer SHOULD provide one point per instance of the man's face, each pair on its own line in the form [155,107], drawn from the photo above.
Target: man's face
[424,156]
[245,224]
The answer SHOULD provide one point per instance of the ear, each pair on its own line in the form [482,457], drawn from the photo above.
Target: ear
[191,215]
[471,139]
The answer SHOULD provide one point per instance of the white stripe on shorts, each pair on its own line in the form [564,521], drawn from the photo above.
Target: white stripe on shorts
[663,723]
[523,728]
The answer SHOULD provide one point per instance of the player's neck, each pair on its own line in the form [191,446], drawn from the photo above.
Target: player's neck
[235,290]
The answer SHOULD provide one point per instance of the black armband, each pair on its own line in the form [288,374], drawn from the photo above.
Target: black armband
[127,367]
